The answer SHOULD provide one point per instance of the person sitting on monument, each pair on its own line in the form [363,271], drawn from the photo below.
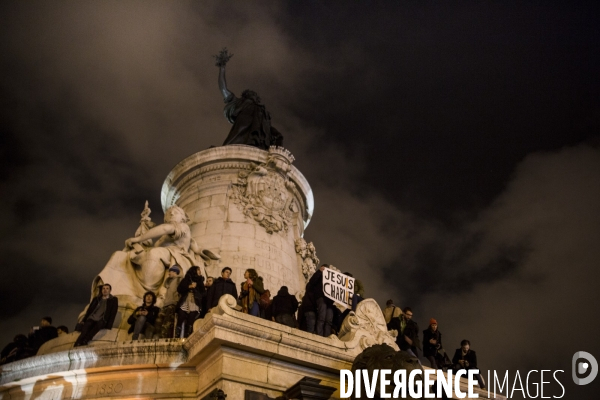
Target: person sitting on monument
[207,284]
[15,350]
[191,290]
[175,245]
[465,358]
[41,334]
[62,330]
[100,314]
[284,307]
[169,297]
[143,317]
[318,309]
[251,289]
[221,286]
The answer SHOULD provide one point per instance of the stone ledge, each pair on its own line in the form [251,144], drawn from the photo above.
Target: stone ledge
[161,352]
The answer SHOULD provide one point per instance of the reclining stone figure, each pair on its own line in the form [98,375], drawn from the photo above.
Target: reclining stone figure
[144,263]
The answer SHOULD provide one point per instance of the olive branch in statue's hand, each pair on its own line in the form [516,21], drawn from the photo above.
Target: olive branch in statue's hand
[222,57]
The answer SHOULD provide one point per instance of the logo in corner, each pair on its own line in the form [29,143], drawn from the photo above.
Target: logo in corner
[582,363]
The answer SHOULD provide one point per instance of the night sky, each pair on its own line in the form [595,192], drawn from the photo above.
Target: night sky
[453,150]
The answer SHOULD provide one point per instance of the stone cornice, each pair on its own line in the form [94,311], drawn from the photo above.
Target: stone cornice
[225,325]
[153,353]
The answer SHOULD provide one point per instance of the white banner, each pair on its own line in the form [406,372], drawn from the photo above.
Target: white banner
[338,287]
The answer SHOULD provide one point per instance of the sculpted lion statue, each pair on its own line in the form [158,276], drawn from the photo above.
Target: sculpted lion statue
[382,356]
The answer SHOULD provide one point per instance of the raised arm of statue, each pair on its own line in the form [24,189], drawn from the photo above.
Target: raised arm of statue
[223,84]
[154,233]
[222,59]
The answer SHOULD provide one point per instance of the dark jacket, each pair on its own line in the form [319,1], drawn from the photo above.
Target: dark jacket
[257,285]
[220,287]
[430,350]
[41,336]
[470,358]
[150,318]
[15,350]
[284,303]
[314,291]
[412,332]
[112,306]
[184,288]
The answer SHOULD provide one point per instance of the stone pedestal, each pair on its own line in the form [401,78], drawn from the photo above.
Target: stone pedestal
[229,351]
[249,206]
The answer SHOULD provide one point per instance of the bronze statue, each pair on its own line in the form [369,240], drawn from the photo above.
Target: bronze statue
[251,121]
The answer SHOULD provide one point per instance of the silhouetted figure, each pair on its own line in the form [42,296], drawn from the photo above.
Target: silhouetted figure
[284,307]
[41,334]
[317,308]
[251,121]
[15,350]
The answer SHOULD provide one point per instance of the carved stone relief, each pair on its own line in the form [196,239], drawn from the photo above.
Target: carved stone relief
[308,254]
[265,193]
[145,225]
[367,326]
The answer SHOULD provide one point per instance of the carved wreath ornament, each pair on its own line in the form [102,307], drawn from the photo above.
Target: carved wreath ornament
[265,192]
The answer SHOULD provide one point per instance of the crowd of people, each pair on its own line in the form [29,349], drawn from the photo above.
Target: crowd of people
[408,341]
[24,346]
[183,299]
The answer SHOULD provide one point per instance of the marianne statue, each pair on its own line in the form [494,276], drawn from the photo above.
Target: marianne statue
[251,121]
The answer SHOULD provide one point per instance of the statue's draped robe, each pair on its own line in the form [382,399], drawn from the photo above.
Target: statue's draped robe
[128,278]
[251,124]
[186,258]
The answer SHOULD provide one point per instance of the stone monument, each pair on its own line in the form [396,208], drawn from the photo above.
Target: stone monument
[242,205]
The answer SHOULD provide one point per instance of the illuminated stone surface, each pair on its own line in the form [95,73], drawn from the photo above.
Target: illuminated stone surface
[249,206]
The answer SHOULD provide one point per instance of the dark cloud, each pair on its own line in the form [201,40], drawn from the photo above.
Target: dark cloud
[452,150]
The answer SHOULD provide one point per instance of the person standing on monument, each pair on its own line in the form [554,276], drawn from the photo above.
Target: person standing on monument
[223,285]
[251,289]
[392,315]
[251,121]
[432,346]
[168,297]
[284,307]
[191,290]
[318,309]
[207,284]
[100,314]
